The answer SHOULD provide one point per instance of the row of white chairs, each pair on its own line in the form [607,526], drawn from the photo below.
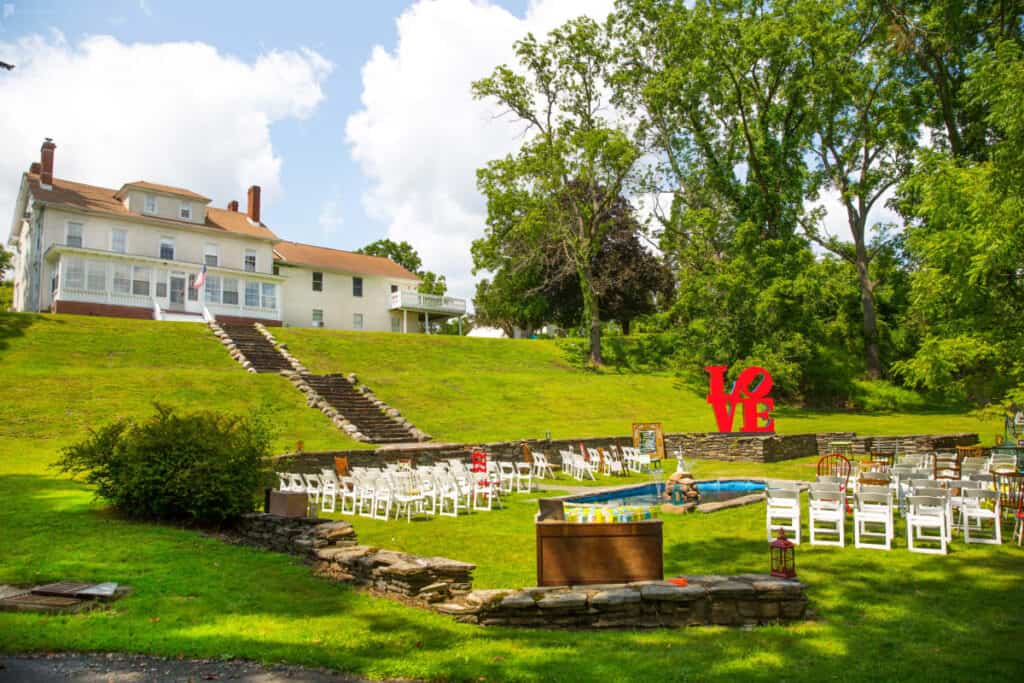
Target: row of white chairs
[612,461]
[446,488]
[929,514]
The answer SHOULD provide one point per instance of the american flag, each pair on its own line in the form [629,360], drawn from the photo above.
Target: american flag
[198,284]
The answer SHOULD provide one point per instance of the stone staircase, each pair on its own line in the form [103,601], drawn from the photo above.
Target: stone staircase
[260,353]
[359,409]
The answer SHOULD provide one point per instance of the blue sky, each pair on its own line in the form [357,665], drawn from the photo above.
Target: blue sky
[355,117]
[317,162]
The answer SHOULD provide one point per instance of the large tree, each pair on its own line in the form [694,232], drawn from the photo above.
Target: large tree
[541,285]
[934,43]
[864,123]
[561,185]
[721,90]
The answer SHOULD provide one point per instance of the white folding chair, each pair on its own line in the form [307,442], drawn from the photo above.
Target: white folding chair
[873,508]
[975,508]
[524,475]
[541,467]
[826,506]
[783,503]
[296,483]
[329,489]
[924,513]
[506,471]
[313,486]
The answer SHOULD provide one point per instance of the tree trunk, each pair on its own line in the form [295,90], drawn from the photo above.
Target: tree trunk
[625,327]
[591,314]
[872,355]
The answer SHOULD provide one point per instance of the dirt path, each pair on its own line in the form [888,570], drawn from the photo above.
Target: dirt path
[127,668]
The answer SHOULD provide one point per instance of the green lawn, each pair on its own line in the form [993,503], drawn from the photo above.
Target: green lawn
[473,390]
[880,616]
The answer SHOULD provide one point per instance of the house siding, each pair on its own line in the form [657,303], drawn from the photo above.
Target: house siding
[337,302]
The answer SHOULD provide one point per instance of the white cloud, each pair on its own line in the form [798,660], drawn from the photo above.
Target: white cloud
[420,137]
[331,217]
[176,113]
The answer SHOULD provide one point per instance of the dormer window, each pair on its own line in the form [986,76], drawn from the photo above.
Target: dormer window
[150,206]
[185,211]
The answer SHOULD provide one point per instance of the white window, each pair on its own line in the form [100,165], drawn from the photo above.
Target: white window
[119,240]
[212,289]
[141,276]
[357,321]
[166,248]
[210,257]
[269,295]
[150,206]
[252,294]
[318,282]
[250,260]
[74,273]
[74,235]
[122,279]
[230,291]
[396,324]
[96,276]
[357,286]
[185,211]
[318,317]
[161,284]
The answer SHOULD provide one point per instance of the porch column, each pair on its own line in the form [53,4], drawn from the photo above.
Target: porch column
[428,321]
[405,321]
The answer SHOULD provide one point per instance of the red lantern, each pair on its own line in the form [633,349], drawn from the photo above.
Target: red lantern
[783,556]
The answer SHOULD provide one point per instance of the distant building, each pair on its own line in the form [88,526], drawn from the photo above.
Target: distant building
[137,251]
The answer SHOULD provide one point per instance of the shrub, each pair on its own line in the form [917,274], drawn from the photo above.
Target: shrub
[203,467]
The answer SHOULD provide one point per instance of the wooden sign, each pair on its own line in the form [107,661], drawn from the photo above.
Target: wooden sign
[649,438]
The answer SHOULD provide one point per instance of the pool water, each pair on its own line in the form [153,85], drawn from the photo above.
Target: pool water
[710,492]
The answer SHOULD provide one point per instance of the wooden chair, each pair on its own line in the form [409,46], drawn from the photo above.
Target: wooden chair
[836,465]
[970,452]
[341,465]
[946,466]
[1010,487]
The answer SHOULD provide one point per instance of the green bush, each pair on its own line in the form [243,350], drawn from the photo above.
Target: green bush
[204,467]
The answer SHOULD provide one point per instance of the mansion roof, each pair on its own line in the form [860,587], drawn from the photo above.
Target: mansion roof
[91,198]
[337,260]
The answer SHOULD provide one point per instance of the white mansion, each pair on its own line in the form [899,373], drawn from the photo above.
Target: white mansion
[137,251]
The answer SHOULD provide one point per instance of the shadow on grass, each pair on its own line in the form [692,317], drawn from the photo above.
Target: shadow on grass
[880,615]
[13,325]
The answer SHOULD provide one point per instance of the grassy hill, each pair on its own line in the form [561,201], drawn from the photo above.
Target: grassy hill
[65,374]
[465,389]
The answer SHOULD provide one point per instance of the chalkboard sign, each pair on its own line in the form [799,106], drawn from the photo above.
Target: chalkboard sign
[649,437]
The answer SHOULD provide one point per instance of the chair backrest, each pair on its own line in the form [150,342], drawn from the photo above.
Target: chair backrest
[874,479]
[885,458]
[876,490]
[873,499]
[782,493]
[296,483]
[969,451]
[824,492]
[327,476]
[975,496]
[479,461]
[835,465]
[925,504]
[946,466]
[312,481]
[341,465]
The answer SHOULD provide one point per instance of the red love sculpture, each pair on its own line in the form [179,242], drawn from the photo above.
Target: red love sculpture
[751,399]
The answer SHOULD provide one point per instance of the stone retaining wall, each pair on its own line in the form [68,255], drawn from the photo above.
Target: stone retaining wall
[693,445]
[447,586]
[707,600]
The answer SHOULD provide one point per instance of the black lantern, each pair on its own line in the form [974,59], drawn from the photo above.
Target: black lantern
[783,556]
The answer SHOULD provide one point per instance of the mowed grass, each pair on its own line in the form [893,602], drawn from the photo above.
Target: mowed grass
[478,390]
[878,615]
[66,374]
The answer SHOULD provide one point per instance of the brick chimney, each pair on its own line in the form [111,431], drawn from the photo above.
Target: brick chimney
[233,205]
[254,204]
[46,162]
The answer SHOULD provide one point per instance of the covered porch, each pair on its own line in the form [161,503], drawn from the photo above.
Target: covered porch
[430,305]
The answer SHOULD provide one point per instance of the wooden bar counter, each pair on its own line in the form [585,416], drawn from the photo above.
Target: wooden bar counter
[576,554]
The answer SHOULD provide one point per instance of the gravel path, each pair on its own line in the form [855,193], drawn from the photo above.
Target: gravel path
[128,668]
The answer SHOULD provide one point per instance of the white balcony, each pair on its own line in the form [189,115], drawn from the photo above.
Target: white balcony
[427,303]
